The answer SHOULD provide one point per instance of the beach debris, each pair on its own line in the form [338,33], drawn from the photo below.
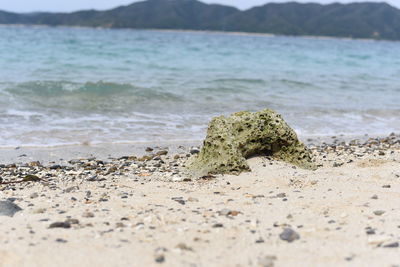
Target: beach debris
[289,235]
[231,140]
[377,240]
[8,208]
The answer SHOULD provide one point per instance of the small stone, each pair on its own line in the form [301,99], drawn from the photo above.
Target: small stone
[392,245]
[60,240]
[370,232]
[218,225]
[65,225]
[88,214]
[159,258]
[289,235]
[259,241]
[337,164]
[72,221]
[71,189]
[379,212]
[386,186]
[228,212]
[34,195]
[183,246]
[149,149]
[31,178]
[179,200]
[374,197]
[162,153]
[7,208]
[119,225]
[194,150]
[55,167]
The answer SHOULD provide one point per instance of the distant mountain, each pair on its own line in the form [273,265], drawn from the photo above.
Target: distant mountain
[356,20]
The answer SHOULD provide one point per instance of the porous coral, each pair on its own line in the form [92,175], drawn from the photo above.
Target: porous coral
[231,140]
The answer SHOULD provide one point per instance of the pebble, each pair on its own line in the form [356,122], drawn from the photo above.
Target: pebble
[392,245]
[71,189]
[289,235]
[34,195]
[379,212]
[192,199]
[65,225]
[88,214]
[8,208]
[194,150]
[370,232]
[162,153]
[183,246]
[159,258]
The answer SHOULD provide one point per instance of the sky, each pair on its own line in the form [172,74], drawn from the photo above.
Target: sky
[73,5]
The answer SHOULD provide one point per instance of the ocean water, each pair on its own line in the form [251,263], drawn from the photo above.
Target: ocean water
[62,86]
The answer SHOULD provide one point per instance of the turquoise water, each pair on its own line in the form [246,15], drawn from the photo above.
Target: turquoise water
[75,85]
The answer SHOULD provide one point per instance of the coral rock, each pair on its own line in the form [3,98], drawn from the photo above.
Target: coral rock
[231,140]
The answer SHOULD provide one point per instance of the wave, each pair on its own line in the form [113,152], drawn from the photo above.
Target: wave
[295,83]
[244,80]
[87,96]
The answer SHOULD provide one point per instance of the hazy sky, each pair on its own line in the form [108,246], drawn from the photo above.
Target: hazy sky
[72,5]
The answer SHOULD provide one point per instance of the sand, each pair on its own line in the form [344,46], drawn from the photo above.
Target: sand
[346,213]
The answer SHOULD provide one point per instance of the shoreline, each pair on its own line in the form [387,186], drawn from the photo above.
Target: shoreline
[255,34]
[103,151]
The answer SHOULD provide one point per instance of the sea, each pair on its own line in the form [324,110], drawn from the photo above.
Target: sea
[71,86]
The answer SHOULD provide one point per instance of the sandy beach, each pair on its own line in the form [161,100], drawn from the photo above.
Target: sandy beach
[143,211]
